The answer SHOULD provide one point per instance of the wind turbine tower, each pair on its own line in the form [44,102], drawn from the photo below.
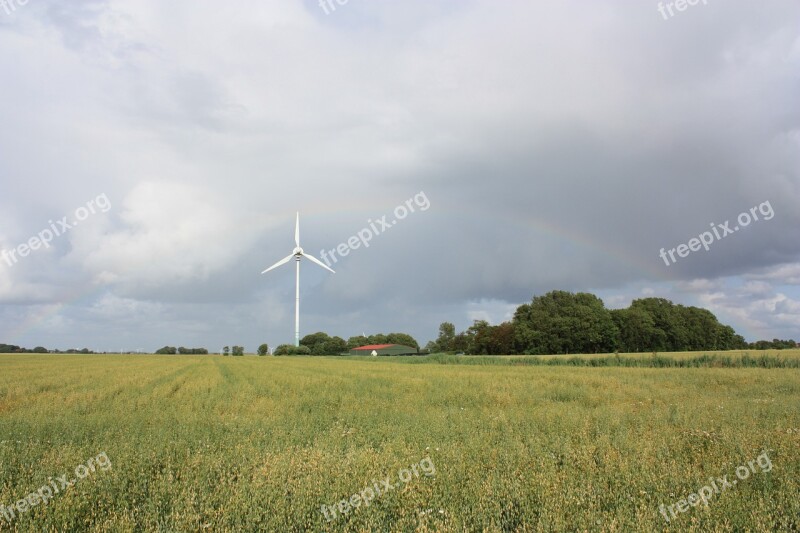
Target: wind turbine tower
[297,254]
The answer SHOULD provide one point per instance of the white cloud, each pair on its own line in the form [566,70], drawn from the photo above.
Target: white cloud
[698,285]
[758,308]
[172,234]
[786,274]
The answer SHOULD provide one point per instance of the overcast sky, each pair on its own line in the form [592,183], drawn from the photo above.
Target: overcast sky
[542,145]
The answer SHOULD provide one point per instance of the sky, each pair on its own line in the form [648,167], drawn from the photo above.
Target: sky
[153,157]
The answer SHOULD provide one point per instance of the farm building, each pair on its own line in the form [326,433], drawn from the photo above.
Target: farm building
[384,349]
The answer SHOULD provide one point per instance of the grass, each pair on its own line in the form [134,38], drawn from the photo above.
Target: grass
[713,359]
[207,443]
[695,360]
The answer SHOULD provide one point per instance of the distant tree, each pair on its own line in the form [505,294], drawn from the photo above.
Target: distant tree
[484,339]
[282,349]
[378,338]
[402,338]
[263,349]
[775,344]
[637,331]
[703,331]
[561,322]
[192,351]
[357,342]
[668,318]
[335,346]
[501,339]
[321,344]
[684,328]
[477,338]
[446,338]
[39,349]
[9,348]
[728,339]
[315,342]
[167,350]
[301,350]
[237,351]
[460,343]
[226,350]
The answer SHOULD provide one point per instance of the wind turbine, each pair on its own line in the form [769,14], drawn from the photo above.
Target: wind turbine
[297,254]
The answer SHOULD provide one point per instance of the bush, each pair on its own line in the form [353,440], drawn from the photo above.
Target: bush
[288,349]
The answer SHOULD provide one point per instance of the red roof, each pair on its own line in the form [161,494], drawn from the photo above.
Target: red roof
[375,347]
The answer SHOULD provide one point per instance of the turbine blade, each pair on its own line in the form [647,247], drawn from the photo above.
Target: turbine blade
[317,261]
[297,231]
[279,263]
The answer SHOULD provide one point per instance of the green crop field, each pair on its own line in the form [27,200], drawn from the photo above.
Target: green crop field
[210,443]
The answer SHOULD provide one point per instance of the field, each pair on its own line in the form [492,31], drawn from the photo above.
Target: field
[210,443]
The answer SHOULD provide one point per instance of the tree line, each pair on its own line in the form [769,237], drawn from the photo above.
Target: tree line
[171,350]
[561,322]
[558,322]
[774,344]
[12,348]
